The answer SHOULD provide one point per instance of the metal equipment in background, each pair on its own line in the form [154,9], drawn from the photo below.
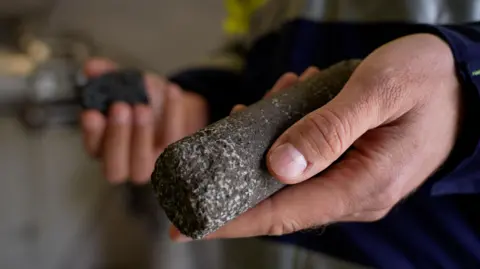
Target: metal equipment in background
[40,84]
[39,74]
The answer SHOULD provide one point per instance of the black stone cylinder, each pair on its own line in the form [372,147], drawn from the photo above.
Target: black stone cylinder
[209,178]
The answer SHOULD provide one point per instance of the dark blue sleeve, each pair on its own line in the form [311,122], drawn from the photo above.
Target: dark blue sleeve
[220,87]
[461,174]
[219,84]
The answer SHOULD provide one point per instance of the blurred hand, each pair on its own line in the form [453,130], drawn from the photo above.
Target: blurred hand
[399,115]
[129,139]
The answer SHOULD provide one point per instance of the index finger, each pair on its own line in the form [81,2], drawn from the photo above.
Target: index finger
[371,177]
[316,202]
[173,120]
[93,123]
[289,79]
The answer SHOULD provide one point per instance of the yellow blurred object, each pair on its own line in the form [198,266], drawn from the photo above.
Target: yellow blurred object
[238,15]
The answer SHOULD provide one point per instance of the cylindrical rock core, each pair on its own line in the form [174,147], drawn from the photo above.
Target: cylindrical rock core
[207,179]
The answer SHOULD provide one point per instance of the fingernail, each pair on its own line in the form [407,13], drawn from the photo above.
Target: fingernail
[287,161]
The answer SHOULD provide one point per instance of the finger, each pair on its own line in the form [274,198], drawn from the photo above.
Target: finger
[93,122]
[93,125]
[238,108]
[156,88]
[311,71]
[98,66]
[196,111]
[142,155]
[320,138]
[285,81]
[173,119]
[116,145]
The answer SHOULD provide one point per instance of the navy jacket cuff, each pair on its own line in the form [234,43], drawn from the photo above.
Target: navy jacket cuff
[461,173]
[221,88]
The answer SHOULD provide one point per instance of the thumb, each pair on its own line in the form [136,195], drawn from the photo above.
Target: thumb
[320,138]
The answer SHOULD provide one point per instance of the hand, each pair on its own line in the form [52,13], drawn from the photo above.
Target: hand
[130,139]
[398,115]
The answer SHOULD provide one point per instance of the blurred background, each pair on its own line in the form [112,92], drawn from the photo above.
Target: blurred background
[56,209]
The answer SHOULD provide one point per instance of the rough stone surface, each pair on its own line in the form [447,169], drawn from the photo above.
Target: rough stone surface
[209,178]
[124,85]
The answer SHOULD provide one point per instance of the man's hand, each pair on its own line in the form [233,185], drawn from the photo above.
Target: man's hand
[398,116]
[130,139]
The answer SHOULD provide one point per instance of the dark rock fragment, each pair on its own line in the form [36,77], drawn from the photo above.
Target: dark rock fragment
[119,86]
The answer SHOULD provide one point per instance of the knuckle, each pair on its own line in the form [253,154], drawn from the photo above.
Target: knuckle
[387,198]
[381,189]
[276,230]
[390,87]
[325,132]
[377,215]
[278,224]
[343,203]
[383,91]
[283,227]
[155,87]
[121,111]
